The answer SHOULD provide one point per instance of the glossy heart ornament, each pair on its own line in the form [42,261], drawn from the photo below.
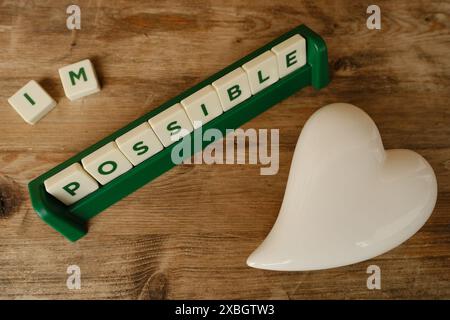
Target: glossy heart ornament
[347,199]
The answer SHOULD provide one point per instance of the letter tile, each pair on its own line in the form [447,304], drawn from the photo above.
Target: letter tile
[79,79]
[31,102]
[291,54]
[106,163]
[233,88]
[71,184]
[171,124]
[139,143]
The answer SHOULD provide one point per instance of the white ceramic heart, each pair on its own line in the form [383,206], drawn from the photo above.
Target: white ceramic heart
[347,199]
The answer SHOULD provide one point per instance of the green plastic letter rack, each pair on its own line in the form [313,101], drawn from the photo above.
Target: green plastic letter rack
[71,221]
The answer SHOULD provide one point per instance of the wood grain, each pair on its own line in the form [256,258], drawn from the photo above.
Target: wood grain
[188,234]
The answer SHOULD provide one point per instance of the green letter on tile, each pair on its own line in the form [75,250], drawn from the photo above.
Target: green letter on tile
[261,78]
[173,127]
[205,111]
[112,164]
[73,75]
[291,58]
[234,92]
[72,187]
[30,100]
[140,148]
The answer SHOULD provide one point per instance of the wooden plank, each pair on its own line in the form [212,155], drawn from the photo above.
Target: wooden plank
[188,234]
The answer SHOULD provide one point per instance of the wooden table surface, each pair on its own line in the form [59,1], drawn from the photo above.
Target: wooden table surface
[188,233]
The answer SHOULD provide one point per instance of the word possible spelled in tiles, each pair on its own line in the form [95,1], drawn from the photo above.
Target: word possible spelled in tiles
[171,124]
[32,102]
[79,80]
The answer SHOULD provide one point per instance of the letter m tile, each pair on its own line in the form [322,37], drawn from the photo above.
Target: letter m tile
[73,75]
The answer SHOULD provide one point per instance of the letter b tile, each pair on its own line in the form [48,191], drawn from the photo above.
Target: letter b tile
[233,88]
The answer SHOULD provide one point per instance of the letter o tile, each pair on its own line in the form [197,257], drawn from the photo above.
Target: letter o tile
[106,163]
